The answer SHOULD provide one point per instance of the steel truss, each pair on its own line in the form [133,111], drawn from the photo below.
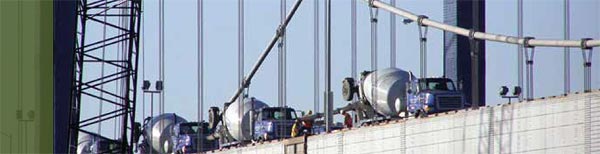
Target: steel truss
[116,52]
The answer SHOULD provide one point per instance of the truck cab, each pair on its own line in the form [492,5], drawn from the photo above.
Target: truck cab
[273,123]
[433,95]
[187,136]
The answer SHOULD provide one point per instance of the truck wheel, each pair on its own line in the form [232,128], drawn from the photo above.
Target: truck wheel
[348,89]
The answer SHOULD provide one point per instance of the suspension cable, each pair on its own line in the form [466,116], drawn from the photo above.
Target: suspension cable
[374,12]
[474,56]
[282,58]
[102,72]
[162,54]
[567,55]
[200,91]
[529,53]
[423,44]
[520,48]
[392,36]
[586,53]
[353,42]
[316,57]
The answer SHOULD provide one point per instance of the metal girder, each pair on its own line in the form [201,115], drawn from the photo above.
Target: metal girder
[116,52]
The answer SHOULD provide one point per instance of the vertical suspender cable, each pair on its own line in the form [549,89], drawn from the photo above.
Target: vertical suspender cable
[353,59]
[586,53]
[423,45]
[200,67]
[328,94]
[316,57]
[143,63]
[282,58]
[520,48]
[567,55]
[102,72]
[392,36]
[373,13]
[162,54]
[240,57]
[160,12]
[353,40]
[529,53]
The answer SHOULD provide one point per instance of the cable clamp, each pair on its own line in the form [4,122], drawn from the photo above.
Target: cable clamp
[526,42]
[373,19]
[529,62]
[371,4]
[472,34]
[584,43]
[420,20]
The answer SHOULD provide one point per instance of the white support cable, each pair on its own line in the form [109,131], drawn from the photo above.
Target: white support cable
[373,14]
[240,58]
[102,72]
[481,35]
[200,48]
[392,36]
[282,58]
[316,57]
[353,36]
[353,45]
[520,48]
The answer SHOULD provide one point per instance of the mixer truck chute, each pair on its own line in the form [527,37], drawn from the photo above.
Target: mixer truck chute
[394,93]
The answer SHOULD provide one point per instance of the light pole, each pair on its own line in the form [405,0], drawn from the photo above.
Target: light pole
[146,89]
[504,90]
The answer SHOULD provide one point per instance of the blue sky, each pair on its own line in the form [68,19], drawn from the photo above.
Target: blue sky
[542,19]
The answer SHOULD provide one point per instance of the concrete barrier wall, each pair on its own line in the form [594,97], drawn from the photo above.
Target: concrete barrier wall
[264,148]
[569,124]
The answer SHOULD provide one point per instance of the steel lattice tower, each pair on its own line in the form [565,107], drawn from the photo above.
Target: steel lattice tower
[117,52]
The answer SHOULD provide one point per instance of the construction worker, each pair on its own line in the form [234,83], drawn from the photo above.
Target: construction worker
[295,128]
[347,119]
[307,124]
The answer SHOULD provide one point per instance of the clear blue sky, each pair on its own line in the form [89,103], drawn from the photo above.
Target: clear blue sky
[542,19]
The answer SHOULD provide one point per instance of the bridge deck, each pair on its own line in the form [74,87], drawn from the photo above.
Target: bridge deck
[564,124]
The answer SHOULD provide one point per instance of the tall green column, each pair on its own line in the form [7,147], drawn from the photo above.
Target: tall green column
[26,79]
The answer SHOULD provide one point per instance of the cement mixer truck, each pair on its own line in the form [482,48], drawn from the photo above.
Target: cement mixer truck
[169,133]
[394,93]
[254,120]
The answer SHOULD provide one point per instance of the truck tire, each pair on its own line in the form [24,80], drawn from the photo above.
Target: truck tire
[348,89]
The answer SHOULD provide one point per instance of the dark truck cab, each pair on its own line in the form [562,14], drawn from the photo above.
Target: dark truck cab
[273,123]
[187,136]
[433,95]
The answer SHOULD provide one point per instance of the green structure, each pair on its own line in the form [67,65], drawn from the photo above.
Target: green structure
[26,76]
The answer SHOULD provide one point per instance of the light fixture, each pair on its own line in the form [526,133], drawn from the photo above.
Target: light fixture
[503,91]
[159,85]
[517,91]
[146,85]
